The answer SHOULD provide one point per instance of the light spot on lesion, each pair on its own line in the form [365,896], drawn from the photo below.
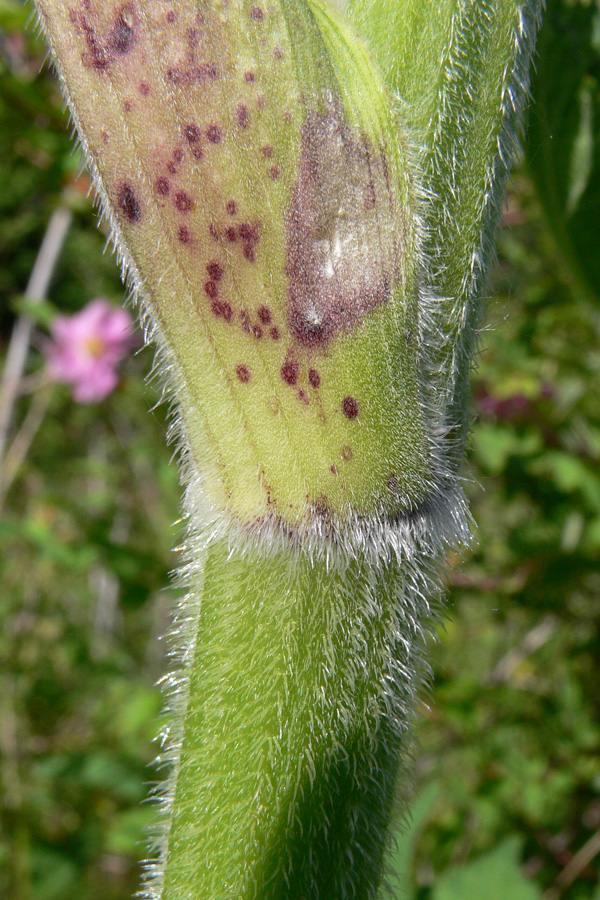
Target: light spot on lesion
[342,251]
[104,41]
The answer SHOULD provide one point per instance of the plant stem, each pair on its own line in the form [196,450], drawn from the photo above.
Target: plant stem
[22,441]
[299,698]
[18,349]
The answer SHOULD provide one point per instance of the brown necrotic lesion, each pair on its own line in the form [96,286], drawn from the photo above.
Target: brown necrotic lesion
[342,255]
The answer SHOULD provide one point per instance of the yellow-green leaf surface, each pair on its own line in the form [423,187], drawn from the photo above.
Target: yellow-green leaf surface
[254,169]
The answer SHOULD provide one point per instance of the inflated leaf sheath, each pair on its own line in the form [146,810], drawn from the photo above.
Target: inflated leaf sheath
[257,182]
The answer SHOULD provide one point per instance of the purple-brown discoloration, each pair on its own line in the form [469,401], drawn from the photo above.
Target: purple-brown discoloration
[289,371]
[314,378]
[342,259]
[174,163]
[192,133]
[321,506]
[103,48]
[128,203]
[193,70]
[204,73]
[222,309]
[214,134]
[242,115]
[183,201]
[250,236]
[243,373]
[215,270]
[350,407]
[122,35]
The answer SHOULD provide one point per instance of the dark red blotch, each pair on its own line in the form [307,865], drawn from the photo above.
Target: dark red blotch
[192,133]
[289,371]
[222,309]
[214,134]
[122,36]
[119,40]
[215,270]
[128,203]
[183,201]
[350,407]
[242,115]
[314,378]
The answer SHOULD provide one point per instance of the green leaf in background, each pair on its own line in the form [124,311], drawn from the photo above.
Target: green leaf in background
[494,445]
[13,15]
[406,838]
[495,876]
[42,312]
[130,830]
[54,875]
[563,150]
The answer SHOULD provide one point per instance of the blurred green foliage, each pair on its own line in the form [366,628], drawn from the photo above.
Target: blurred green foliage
[508,763]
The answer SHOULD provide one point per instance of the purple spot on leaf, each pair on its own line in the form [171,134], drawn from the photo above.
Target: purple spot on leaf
[213,134]
[122,37]
[192,133]
[314,378]
[183,201]
[128,203]
[289,372]
[242,115]
[215,270]
[350,407]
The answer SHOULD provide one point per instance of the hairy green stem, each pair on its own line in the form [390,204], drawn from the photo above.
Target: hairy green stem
[300,693]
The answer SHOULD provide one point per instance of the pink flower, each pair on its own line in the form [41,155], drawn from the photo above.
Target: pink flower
[87,347]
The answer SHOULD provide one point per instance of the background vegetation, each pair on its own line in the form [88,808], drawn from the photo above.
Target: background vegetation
[508,763]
